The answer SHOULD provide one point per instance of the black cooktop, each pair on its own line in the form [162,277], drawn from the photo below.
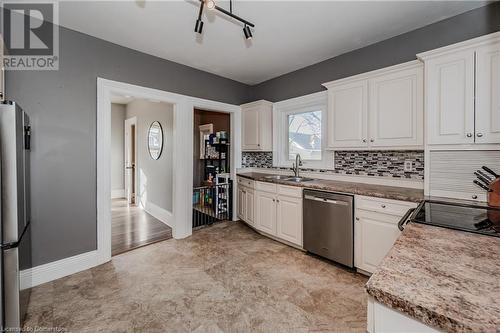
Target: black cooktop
[470,218]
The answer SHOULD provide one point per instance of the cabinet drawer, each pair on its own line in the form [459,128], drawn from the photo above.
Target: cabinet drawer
[291,191]
[266,187]
[385,206]
[245,182]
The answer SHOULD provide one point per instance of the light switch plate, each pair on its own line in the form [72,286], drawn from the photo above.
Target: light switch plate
[408,166]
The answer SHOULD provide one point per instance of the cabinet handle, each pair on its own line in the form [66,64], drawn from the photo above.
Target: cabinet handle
[274,200]
[357,218]
[479,135]
[474,196]
[469,135]
[364,140]
[258,145]
[372,140]
[383,206]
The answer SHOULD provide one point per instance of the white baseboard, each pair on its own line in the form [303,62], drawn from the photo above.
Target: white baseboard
[57,269]
[119,193]
[161,214]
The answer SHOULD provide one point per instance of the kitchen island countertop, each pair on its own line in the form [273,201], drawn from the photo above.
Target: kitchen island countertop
[444,278]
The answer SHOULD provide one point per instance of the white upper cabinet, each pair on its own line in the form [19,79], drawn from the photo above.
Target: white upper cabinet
[488,94]
[347,115]
[382,109]
[257,128]
[462,87]
[450,98]
[396,109]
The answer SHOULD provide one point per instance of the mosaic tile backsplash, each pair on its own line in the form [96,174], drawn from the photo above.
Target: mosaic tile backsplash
[257,159]
[364,163]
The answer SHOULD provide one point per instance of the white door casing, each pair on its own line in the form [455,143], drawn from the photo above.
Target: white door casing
[183,158]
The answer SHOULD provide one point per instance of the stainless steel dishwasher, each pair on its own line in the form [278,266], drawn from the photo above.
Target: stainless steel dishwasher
[329,226]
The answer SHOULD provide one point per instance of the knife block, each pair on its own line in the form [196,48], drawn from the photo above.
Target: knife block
[494,196]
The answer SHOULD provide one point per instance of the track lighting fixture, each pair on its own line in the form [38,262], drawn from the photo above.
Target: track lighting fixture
[198,27]
[210,4]
[247,32]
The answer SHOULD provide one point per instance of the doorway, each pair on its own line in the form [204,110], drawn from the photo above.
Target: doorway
[139,216]
[212,184]
[180,218]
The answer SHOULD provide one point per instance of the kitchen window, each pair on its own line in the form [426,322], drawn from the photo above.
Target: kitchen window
[300,128]
[304,135]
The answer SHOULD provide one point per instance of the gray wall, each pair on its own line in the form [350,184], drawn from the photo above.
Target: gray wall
[392,51]
[155,181]
[62,107]
[117,146]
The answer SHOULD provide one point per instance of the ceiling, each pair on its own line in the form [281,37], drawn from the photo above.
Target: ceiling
[288,35]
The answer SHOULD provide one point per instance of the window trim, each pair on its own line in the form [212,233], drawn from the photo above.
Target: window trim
[281,110]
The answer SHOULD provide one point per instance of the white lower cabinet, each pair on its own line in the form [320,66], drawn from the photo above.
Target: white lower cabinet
[289,221]
[376,229]
[241,203]
[276,210]
[266,212]
[250,207]
[245,201]
[382,319]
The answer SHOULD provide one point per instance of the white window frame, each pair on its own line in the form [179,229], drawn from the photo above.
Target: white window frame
[281,111]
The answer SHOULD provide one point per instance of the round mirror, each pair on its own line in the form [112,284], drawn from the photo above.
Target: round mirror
[155,140]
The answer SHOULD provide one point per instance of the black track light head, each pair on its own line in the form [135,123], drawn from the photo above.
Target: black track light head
[198,26]
[247,32]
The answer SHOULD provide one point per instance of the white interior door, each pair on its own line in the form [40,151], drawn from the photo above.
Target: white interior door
[488,94]
[130,159]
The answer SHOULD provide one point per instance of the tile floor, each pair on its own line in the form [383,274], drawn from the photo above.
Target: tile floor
[224,278]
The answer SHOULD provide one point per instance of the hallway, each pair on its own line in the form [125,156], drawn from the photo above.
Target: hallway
[132,227]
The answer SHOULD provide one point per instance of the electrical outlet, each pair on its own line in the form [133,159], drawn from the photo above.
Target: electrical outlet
[408,167]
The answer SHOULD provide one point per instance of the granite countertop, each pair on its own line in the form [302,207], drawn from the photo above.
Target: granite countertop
[444,278]
[379,191]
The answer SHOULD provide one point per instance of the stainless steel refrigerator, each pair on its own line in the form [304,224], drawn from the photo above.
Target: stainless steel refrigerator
[15,214]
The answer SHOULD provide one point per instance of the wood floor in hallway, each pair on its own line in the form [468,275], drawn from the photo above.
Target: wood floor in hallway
[132,227]
[223,278]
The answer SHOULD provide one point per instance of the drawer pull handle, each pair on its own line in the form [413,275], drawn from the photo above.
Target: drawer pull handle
[383,206]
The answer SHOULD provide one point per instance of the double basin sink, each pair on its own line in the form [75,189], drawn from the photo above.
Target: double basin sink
[288,178]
